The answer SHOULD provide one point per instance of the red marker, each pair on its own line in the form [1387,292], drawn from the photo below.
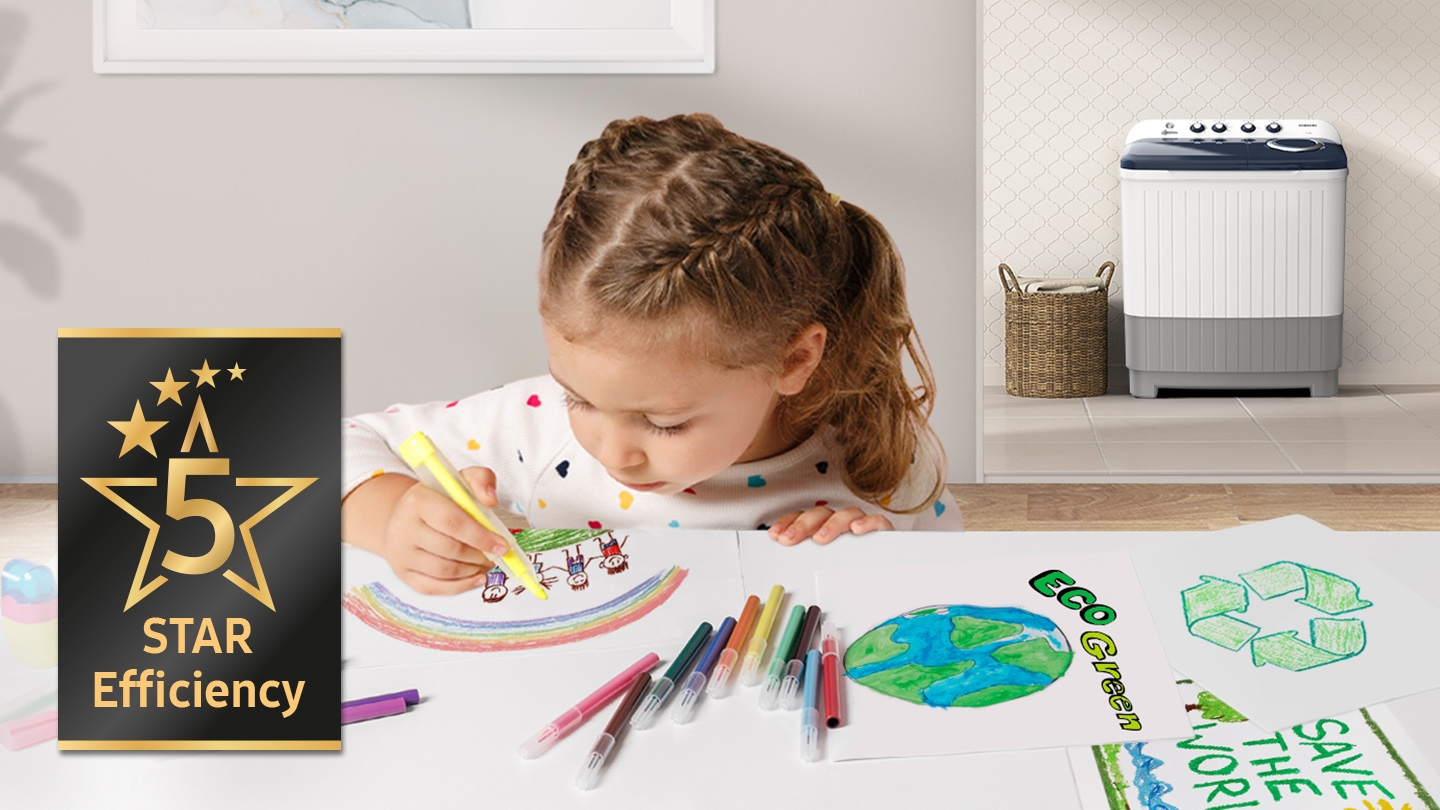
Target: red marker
[830,666]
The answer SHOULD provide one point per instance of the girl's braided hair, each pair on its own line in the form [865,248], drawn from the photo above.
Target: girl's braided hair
[733,247]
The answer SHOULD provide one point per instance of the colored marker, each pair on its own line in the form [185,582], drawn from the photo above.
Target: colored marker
[645,716]
[755,655]
[370,711]
[830,662]
[810,715]
[435,471]
[575,715]
[720,684]
[690,695]
[790,688]
[24,732]
[770,698]
[33,702]
[590,771]
[410,696]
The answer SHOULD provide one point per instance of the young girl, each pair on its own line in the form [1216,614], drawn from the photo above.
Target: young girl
[726,342]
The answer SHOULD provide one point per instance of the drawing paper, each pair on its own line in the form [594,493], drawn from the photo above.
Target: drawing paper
[1359,759]
[606,589]
[967,657]
[1288,621]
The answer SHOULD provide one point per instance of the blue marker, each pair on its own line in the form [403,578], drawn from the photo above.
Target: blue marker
[690,695]
[810,714]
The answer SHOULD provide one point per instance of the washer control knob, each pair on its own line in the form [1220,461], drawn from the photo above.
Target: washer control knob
[1273,126]
[1219,126]
[1197,127]
[1247,127]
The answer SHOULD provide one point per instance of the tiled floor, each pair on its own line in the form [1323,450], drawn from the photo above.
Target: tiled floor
[1365,433]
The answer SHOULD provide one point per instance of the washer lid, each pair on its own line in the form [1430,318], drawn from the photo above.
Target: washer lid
[1249,154]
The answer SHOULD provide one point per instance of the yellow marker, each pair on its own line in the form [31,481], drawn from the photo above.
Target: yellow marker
[420,453]
[750,672]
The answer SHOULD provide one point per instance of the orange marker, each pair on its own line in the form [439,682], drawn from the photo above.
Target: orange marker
[720,684]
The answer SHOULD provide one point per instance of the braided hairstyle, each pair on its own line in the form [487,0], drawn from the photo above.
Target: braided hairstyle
[731,248]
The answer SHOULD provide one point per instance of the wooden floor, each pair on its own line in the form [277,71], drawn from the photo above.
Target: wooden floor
[1195,507]
[1143,507]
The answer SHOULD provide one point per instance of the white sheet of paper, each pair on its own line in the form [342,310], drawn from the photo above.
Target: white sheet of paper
[1344,761]
[1072,709]
[1308,663]
[712,585]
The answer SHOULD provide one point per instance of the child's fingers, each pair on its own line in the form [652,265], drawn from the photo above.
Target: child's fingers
[837,524]
[482,483]
[805,525]
[783,523]
[443,516]
[445,547]
[871,523]
[424,583]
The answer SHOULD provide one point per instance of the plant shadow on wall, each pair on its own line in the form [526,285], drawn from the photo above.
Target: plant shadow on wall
[24,250]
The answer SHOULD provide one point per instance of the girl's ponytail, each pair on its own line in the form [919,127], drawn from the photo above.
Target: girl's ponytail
[860,387]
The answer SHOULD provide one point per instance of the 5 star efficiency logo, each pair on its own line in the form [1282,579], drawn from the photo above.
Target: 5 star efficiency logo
[152,424]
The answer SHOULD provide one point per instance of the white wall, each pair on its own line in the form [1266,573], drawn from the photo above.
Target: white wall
[407,210]
[1064,81]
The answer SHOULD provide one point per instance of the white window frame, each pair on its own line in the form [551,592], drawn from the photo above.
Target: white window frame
[686,46]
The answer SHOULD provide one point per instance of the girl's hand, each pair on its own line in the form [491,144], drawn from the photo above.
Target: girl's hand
[434,546]
[823,524]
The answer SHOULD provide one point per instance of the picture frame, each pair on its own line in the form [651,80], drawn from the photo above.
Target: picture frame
[505,36]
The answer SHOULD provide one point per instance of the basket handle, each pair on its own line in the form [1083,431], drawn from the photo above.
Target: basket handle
[1007,278]
[1106,266]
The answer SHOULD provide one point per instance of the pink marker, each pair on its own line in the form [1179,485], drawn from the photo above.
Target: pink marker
[28,731]
[577,714]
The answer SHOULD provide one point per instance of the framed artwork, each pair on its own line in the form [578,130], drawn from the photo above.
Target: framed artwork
[404,36]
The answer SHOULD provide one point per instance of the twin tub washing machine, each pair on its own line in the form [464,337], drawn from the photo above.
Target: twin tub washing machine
[1233,238]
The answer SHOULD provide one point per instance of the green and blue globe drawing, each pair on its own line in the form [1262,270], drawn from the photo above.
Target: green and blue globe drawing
[960,655]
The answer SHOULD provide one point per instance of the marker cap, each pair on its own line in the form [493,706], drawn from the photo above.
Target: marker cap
[790,696]
[541,742]
[770,695]
[645,715]
[720,683]
[689,697]
[810,735]
[750,672]
[589,775]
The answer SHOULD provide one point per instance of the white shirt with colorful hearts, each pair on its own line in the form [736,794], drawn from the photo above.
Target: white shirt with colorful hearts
[522,432]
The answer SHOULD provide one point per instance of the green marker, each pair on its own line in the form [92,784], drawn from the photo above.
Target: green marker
[645,715]
[770,698]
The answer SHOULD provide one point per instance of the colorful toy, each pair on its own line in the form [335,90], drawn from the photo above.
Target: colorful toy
[29,605]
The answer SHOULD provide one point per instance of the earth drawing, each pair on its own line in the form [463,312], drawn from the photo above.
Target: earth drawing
[960,655]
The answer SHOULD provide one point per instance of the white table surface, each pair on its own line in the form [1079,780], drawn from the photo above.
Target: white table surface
[459,743]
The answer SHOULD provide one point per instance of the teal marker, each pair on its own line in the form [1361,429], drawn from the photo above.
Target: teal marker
[770,698]
[645,716]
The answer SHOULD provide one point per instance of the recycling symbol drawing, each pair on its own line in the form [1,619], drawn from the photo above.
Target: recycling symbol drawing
[1210,609]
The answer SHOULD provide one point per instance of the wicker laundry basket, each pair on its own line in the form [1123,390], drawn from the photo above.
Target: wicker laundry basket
[1056,344]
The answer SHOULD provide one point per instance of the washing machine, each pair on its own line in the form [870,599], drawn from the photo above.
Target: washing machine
[1233,249]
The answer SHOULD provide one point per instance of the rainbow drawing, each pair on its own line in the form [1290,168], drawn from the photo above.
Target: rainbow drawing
[378,607]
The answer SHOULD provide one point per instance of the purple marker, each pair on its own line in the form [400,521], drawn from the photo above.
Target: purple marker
[411,696]
[370,711]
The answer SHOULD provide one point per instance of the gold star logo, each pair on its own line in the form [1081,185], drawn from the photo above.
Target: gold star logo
[138,432]
[205,374]
[178,506]
[169,389]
